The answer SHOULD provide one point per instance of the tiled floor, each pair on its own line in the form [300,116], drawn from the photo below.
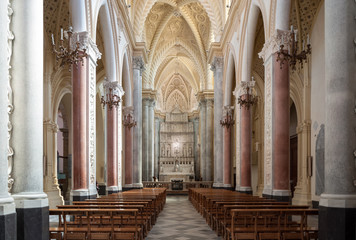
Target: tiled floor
[180,221]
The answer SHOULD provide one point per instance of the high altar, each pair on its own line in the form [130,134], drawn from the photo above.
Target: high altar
[177,148]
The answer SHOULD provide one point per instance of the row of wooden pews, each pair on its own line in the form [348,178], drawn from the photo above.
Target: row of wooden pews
[236,215]
[124,215]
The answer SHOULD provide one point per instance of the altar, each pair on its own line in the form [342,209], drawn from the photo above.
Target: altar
[176,161]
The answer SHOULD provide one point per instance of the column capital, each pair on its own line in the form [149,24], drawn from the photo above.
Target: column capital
[51,126]
[217,64]
[271,46]
[86,43]
[305,125]
[114,86]
[228,110]
[138,63]
[128,110]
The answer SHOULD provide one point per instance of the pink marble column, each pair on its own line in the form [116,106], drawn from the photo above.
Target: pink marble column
[245,184]
[227,156]
[281,129]
[79,113]
[112,149]
[128,156]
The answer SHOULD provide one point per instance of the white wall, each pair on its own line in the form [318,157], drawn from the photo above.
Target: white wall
[317,86]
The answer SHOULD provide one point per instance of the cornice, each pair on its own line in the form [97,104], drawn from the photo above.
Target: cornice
[149,94]
[160,115]
[215,50]
[205,95]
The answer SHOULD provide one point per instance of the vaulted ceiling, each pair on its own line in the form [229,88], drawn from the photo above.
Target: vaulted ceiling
[177,34]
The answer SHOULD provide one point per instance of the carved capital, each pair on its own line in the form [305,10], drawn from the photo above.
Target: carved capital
[115,87]
[86,43]
[128,111]
[272,45]
[217,64]
[138,64]
[228,110]
[51,126]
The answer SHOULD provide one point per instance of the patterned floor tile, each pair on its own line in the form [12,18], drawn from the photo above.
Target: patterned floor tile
[180,221]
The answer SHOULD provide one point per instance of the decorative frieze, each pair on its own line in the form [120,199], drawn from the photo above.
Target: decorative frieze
[10,106]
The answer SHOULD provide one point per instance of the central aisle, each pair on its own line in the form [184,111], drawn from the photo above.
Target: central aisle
[180,221]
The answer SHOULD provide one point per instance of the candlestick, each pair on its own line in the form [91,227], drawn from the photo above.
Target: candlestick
[52,39]
[61,33]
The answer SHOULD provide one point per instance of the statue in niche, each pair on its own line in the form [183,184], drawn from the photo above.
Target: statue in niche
[190,152]
[184,151]
[162,151]
[161,168]
[176,166]
[168,150]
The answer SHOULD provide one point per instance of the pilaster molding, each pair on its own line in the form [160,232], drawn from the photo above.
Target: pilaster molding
[271,46]
[138,64]
[217,64]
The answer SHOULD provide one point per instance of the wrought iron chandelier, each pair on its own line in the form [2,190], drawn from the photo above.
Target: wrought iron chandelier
[129,121]
[291,55]
[65,53]
[247,96]
[111,97]
[228,120]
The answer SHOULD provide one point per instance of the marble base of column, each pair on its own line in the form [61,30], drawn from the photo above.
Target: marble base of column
[247,190]
[127,187]
[112,189]
[137,185]
[32,216]
[281,195]
[218,185]
[228,187]
[7,219]
[81,195]
[338,211]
